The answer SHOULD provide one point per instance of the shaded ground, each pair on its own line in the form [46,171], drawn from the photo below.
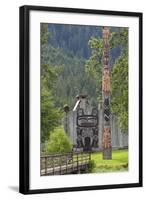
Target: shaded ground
[119,162]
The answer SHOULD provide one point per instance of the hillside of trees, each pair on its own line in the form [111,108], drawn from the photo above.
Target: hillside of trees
[72,79]
[73,38]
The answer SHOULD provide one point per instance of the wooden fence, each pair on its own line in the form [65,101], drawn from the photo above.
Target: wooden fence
[66,163]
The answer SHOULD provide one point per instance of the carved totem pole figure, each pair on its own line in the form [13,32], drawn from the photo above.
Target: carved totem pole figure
[106,88]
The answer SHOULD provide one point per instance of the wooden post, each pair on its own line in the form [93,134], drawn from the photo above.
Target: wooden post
[53,166]
[67,162]
[72,161]
[89,156]
[77,163]
[60,161]
[66,110]
[45,165]
[106,88]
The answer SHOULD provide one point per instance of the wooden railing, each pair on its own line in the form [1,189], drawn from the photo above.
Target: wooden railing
[66,163]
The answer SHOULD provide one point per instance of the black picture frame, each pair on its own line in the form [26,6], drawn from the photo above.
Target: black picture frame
[25,105]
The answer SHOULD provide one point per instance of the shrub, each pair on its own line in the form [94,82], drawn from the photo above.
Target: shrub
[59,142]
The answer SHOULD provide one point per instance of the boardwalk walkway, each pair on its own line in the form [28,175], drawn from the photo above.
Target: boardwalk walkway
[68,163]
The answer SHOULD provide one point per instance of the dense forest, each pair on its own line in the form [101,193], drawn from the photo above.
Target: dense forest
[74,38]
[71,63]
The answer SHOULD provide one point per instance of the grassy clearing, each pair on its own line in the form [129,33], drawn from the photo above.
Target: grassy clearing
[119,162]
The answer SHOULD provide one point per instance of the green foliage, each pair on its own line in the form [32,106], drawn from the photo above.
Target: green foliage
[120,90]
[59,142]
[73,38]
[50,114]
[119,38]
[94,64]
[71,76]
[45,34]
[120,80]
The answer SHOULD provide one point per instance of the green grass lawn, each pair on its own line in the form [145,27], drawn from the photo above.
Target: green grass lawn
[119,162]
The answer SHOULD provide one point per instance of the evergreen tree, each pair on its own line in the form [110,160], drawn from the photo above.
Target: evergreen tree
[50,115]
[120,79]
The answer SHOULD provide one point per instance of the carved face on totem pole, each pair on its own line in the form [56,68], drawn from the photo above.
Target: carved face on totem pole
[106,33]
[107,138]
[106,87]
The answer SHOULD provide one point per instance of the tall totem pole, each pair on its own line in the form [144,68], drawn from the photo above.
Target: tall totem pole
[106,88]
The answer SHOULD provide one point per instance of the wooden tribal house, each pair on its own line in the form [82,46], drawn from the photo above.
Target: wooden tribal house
[106,88]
